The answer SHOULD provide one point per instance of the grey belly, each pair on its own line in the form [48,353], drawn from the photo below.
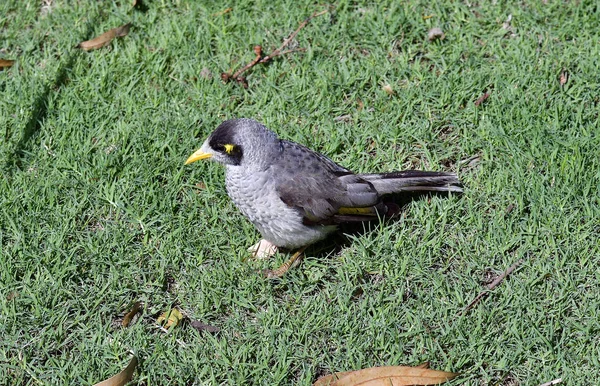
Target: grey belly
[257,199]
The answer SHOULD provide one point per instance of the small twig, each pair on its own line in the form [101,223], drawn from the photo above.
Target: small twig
[499,279]
[293,35]
[552,383]
[237,76]
[491,286]
[272,55]
[258,52]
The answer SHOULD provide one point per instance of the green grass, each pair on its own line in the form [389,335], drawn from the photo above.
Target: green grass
[97,210]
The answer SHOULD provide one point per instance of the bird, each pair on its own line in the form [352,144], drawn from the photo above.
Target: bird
[296,196]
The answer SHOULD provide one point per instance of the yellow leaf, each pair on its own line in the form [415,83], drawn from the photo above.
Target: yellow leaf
[170,319]
[123,377]
[105,38]
[387,375]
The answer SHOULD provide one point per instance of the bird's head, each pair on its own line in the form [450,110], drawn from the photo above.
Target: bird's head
[239,142]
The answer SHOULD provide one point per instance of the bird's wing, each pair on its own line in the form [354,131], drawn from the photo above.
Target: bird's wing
[323,191]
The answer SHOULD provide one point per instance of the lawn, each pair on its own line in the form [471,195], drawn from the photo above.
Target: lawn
[97,210]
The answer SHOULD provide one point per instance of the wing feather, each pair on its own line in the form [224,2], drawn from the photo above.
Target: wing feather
[319,188]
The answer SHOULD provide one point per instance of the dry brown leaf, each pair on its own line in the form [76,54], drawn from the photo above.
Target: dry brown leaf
[205,73]
[564,77]
[123,377]
[482,99]
[388,89]
[343,118]
[553,382]
[11,295]
[137,306]
[387,375]
[506,24]
[509,208]
[435,34]
[331,379]
[361,105]
[4,63]
[170,318]
[105,38]
[203,326]
[424,365]
[223,12]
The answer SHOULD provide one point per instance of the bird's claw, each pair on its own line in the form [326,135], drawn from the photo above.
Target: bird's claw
[291,263]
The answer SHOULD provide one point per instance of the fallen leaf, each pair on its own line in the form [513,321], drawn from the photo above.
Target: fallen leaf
[506,24]
[564,77]
[331,379]
[223,12]
[435,34]
[11,295]
[387,375]
[205,73]
[507,28]
[204,327]
[137,306]
[470,162]
[105,38]
[388,89]
[4,63]
[482,99]
[553,382]
[123,377]
[361,105]
[509,209]
[343,118]
[170,318]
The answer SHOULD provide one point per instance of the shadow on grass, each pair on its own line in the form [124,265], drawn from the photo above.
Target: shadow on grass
[39,111]
[338,241]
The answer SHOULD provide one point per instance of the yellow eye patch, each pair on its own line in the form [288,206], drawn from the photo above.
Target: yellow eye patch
[229,148]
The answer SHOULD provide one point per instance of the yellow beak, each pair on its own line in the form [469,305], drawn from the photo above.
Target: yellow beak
[197,156]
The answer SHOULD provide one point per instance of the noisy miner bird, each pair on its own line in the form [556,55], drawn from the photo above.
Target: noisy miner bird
[296,196]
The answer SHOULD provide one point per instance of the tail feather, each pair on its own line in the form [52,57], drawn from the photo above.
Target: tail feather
[414,181]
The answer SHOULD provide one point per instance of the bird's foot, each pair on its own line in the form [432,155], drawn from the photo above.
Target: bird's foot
[292,262]
[262,250]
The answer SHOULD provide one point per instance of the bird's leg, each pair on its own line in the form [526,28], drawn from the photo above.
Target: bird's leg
[292,262]
[262,250]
